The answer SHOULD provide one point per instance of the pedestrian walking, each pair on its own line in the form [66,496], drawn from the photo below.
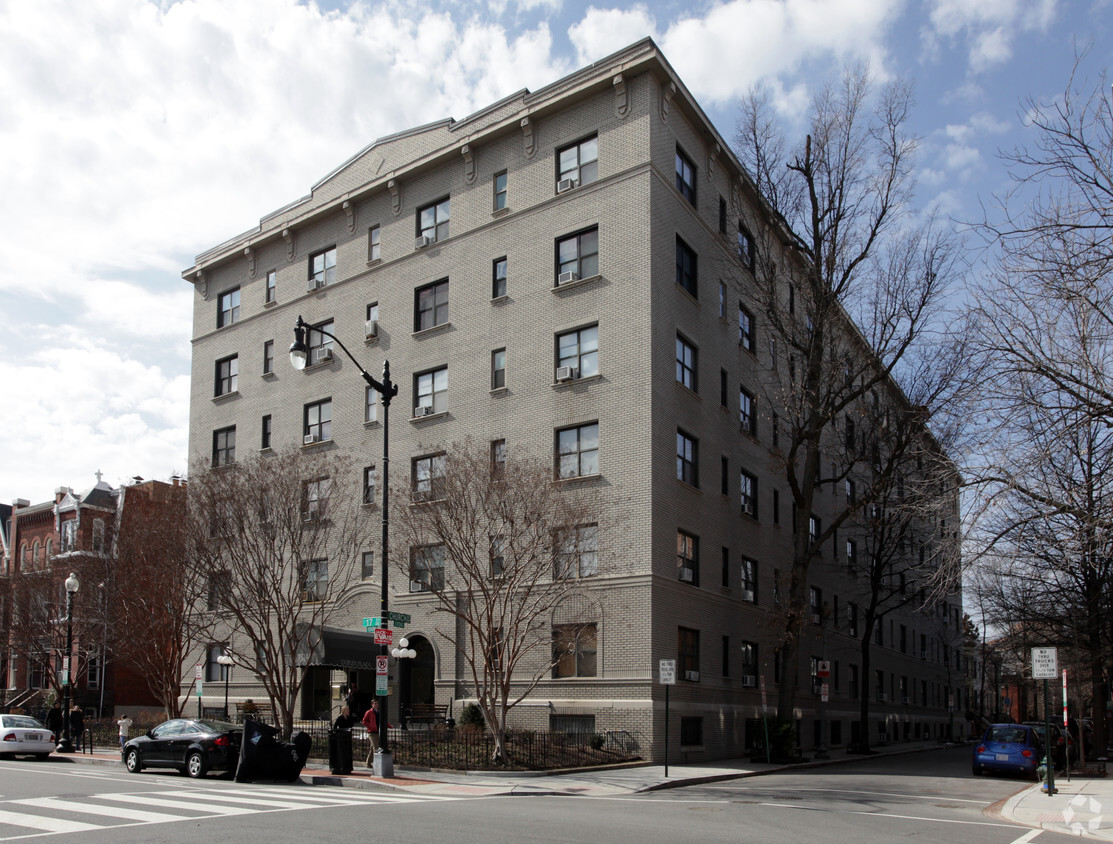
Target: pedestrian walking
[54,720]
[125,725]
[371,722]
[77,728]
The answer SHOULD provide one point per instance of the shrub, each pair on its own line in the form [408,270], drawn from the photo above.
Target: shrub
[472,716]
[597,741]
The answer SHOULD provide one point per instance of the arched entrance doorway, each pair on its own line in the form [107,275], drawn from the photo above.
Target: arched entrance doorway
[415,677]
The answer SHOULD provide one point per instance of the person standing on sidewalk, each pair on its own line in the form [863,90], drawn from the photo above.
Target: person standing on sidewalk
[77,728]
[55,720]
[125,725]
[371,722]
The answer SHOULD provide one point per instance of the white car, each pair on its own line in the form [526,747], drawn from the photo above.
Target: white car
[22,735]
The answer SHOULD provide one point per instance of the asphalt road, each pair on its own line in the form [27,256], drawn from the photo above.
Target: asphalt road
[926,796]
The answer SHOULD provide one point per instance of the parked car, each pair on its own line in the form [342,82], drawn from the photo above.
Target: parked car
[22,735]
[194,747]
[1060,741]
[1008,748]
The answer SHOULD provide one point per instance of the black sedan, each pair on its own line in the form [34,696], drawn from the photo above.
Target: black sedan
[194,747]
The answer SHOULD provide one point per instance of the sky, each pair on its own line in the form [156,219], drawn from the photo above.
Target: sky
[136,134]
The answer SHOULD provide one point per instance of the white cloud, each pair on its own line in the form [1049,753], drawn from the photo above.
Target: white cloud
[987,27]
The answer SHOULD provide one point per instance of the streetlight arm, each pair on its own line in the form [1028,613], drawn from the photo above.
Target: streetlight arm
[385,388]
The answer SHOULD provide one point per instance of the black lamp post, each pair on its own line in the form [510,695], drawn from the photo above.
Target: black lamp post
[387,390]
[65,745]
[226,662]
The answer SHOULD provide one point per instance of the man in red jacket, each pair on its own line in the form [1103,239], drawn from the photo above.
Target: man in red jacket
[371,722]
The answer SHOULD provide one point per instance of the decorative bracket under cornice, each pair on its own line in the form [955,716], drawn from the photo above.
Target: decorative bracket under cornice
[350,212]
[202,284]
[395,196]
[527,136]
[291,246]
[469,163]
[249,253]
[621,96]
[667,93]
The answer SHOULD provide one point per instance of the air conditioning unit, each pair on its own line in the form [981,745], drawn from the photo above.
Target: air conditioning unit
[322,355]
[882,697]
[567,277]
[692,676]
[749,681]
[883,737]
[423,410]
[905,700]
[309,439]
[816,619]
[315,283]
[748,595]
[565,373]
[372,328]
[686,575]
[424,240]
[565,185]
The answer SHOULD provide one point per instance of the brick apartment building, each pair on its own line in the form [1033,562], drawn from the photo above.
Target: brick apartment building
[566,271]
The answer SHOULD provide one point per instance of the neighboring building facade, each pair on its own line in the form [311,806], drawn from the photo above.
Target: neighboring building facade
[566,271]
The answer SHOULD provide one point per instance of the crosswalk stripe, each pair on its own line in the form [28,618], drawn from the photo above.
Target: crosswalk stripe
[189,806]
[118,812]
[45,823]
[273,801]
[329,800]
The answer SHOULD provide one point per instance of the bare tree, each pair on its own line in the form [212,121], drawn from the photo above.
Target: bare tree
[506,552]
[154,620]
[850,290]
[276,539]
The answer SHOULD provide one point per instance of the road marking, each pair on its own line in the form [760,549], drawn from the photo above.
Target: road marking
[887,794]
[189,806]
[349,800]
[118,812]
[45,823]
[1028,836]
[888,815]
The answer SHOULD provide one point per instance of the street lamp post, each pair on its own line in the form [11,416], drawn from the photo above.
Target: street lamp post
[227,662]
[66,744]
[387,390]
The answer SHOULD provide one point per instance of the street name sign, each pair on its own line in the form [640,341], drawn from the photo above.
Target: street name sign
[1045,663]
[373,622]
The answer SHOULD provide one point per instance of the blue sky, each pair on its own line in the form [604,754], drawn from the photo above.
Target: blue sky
[137,134]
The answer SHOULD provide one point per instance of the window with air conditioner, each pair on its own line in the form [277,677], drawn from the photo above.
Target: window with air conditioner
[748,493]
[578,255]
[687,557]
[432,222]
[317,340]
[428,475]
[315,580]
[577,353]
[749,580]
[577,164]
[427,569]
[687,646]
[371,323]
[322,268]
[431,392]
[317,421]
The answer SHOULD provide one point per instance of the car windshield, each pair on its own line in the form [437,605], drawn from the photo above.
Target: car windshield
[1017,735]
[22,721]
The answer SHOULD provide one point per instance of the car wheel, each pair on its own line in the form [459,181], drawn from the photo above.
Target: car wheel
[131,761]
[195,765]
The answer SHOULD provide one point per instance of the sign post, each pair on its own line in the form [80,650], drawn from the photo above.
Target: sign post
[1045,666]
[197,680]
[668,678]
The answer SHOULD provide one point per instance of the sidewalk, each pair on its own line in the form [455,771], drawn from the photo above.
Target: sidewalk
[1082,806]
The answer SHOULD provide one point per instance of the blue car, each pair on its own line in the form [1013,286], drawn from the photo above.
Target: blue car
[1008,749]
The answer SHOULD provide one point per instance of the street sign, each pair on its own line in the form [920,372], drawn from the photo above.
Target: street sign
[373,622]
[198,688]
[384,636]
[399,617]
[763,701]
[380,685]
[197,669]
[824,670]
[667,670]
[1045,663]
[382,665]
[823,692]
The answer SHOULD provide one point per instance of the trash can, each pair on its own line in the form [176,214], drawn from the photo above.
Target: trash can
[340,751]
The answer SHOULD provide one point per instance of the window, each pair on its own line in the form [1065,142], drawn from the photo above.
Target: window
[722,215]
[687,458]
[852,682]
[691,731]
[69,528]
[498,278]
[851,556]
[725,668]
[93,672]
[574,650]
[432,221]
[498,457]
[224,449]
[722,300]
[427,569]
[815,527]
[577,552]
[322,268]
[579,350]
[315,581]
[578,162]
[724,568]
[686,363]
[497,555]
[98,537]
[370,404]
[745,329]
[686,267]
[431,305]
[214,671]
[317,421]
[748,492]
[687,557]
[372,324]
[271,290]
[228,308]
[431,392]
[374,246]
[745,247]
[578,451]
[578,256]
[367,565]
[722,388]
[685,176]
[748,651]
[265,441]
[724,475]
[268,357]
[746,414]
[314,498]
[687,653]
[500,191]
[428,477]
[227,373]
[749,580]
[368,484]
[498,369]
[851,497]
[815,604]
[851,440]
[319,341]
